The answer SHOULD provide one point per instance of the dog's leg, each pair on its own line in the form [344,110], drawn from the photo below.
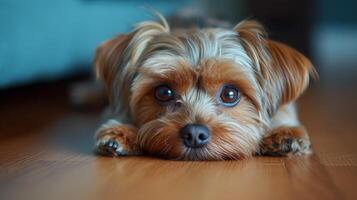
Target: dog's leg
[287,136]
[116,139]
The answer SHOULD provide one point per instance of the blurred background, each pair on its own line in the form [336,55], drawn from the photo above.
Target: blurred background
[50,40]
[46,47]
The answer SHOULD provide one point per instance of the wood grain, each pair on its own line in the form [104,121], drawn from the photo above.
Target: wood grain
[46,153]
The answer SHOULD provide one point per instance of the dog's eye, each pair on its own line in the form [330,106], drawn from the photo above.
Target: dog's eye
[164,93]
[229,96]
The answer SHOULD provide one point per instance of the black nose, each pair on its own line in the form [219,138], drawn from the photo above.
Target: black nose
[195,135]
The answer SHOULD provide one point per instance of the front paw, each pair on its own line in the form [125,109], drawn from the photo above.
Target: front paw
[114,139]
[109,146]
[286,141]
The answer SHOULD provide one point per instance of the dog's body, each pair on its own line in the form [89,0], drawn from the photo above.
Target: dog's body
[208,94]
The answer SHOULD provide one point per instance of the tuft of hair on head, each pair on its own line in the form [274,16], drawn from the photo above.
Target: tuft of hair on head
[282,72]
[116,60]
[144,33]
[252,35]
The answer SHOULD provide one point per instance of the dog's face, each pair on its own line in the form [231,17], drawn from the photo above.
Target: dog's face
[200,95]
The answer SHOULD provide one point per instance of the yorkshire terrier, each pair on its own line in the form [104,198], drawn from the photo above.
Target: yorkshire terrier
[204,94]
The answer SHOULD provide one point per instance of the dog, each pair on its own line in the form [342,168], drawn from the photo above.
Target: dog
[203,94]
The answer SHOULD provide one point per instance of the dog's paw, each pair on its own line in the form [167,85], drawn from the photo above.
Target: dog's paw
[286,141]
[109,146]
[114,139]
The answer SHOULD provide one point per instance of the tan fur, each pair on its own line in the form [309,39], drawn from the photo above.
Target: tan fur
[108,56]
[196,64]
[286,140]
[124,134]
[283,73]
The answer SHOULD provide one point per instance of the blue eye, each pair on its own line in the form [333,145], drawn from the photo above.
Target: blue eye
[229,96]
[164,93]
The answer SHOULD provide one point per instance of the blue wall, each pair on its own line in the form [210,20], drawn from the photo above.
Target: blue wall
[42,39]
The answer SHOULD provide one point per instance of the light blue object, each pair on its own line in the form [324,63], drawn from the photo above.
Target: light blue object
[42,39]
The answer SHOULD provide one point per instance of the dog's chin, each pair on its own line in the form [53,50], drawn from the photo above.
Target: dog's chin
[205,154]
[197,154]
[178,151]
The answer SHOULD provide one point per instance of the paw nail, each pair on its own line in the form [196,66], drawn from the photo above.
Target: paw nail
[112,144]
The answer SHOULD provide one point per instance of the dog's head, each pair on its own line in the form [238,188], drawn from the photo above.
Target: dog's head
[204,94]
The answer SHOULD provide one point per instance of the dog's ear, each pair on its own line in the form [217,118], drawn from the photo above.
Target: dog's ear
[108,57]
[117,61]
[289,71]
[282,72]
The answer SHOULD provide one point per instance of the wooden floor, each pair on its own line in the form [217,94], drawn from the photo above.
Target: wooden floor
[46,153]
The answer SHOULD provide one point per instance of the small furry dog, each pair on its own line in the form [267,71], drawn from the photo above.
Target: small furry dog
[204,94]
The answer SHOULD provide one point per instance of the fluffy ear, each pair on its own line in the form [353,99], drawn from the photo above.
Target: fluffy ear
[108,58]
[289,71]
[117,61]
[283,72]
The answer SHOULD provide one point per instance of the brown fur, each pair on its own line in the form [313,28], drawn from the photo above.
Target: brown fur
[286,141]
[123,134]
[283,70]
[108,55]
[146,109]
[195,65]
